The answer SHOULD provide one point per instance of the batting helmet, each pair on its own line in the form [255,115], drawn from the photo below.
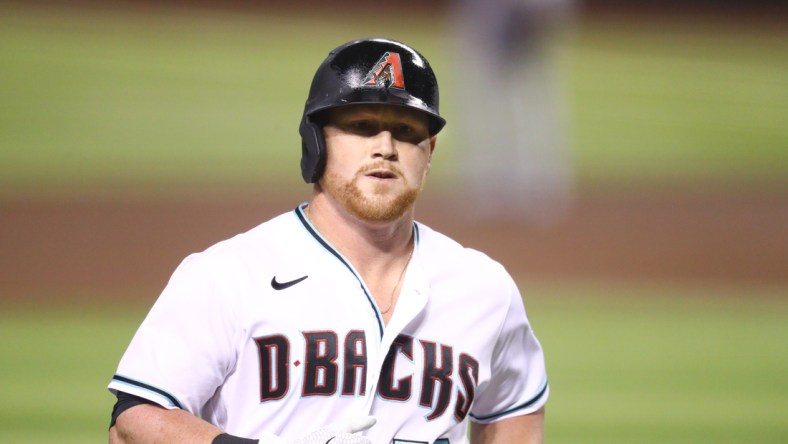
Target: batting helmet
[365,71]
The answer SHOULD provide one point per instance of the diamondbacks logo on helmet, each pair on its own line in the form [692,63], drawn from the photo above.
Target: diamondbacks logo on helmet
[387,72]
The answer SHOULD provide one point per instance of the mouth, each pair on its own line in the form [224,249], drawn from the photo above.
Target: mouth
[381,174]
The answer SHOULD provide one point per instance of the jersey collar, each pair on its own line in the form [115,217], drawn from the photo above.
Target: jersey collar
[301,215]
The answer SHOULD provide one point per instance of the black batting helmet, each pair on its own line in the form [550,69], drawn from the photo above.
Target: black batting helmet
[365,71]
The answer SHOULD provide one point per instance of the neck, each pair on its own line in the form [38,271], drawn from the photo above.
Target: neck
[364,243]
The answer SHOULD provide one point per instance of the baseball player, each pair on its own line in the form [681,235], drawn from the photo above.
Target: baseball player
[344,320]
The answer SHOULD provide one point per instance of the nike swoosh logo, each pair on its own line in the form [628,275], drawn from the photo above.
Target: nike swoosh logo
[282,285]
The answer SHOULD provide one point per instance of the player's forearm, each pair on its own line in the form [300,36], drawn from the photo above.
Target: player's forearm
[150,424]
[526,429]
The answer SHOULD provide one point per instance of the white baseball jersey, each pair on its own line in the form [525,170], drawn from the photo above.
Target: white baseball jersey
[274,331]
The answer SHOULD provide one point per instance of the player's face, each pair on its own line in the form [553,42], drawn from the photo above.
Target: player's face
[377,159]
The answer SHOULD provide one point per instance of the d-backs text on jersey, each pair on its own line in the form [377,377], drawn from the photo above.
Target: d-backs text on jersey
[324,376]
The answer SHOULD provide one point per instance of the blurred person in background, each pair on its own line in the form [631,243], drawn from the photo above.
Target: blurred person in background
[515,161]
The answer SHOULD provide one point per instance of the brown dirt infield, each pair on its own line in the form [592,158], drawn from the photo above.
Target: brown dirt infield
[121,246]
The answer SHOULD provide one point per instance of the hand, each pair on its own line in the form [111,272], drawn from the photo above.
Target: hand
[341,432]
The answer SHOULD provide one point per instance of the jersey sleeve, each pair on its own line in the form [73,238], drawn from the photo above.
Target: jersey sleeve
[186,346]
[518,379]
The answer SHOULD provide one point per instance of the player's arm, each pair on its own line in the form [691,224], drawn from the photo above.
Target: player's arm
[149,423]
[152,424]
[524,429]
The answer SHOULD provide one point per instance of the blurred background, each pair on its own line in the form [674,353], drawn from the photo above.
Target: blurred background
[627,161]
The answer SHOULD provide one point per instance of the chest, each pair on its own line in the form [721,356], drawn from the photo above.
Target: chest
[324,336]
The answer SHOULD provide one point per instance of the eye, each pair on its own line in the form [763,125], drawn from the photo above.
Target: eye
[404,129]
[410,133]
[361,126]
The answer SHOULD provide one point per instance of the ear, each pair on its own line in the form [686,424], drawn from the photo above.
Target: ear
[433,141]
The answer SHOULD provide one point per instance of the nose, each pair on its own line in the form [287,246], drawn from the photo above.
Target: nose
[385,146]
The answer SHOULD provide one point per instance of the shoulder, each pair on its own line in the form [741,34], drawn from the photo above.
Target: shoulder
[270,240]
[280,230]
[236,269]
[444,256]
[438,246]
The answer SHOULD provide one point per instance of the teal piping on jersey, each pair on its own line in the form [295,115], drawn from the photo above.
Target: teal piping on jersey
[159,393]
[526,404]
[299,211]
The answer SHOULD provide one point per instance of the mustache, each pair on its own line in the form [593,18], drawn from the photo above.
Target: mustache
[379,166]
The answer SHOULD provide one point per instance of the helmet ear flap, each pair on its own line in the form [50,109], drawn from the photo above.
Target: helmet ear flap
[313,150]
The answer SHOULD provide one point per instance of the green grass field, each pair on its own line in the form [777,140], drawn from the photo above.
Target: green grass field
[661,364]
[629,365]
[112,99]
